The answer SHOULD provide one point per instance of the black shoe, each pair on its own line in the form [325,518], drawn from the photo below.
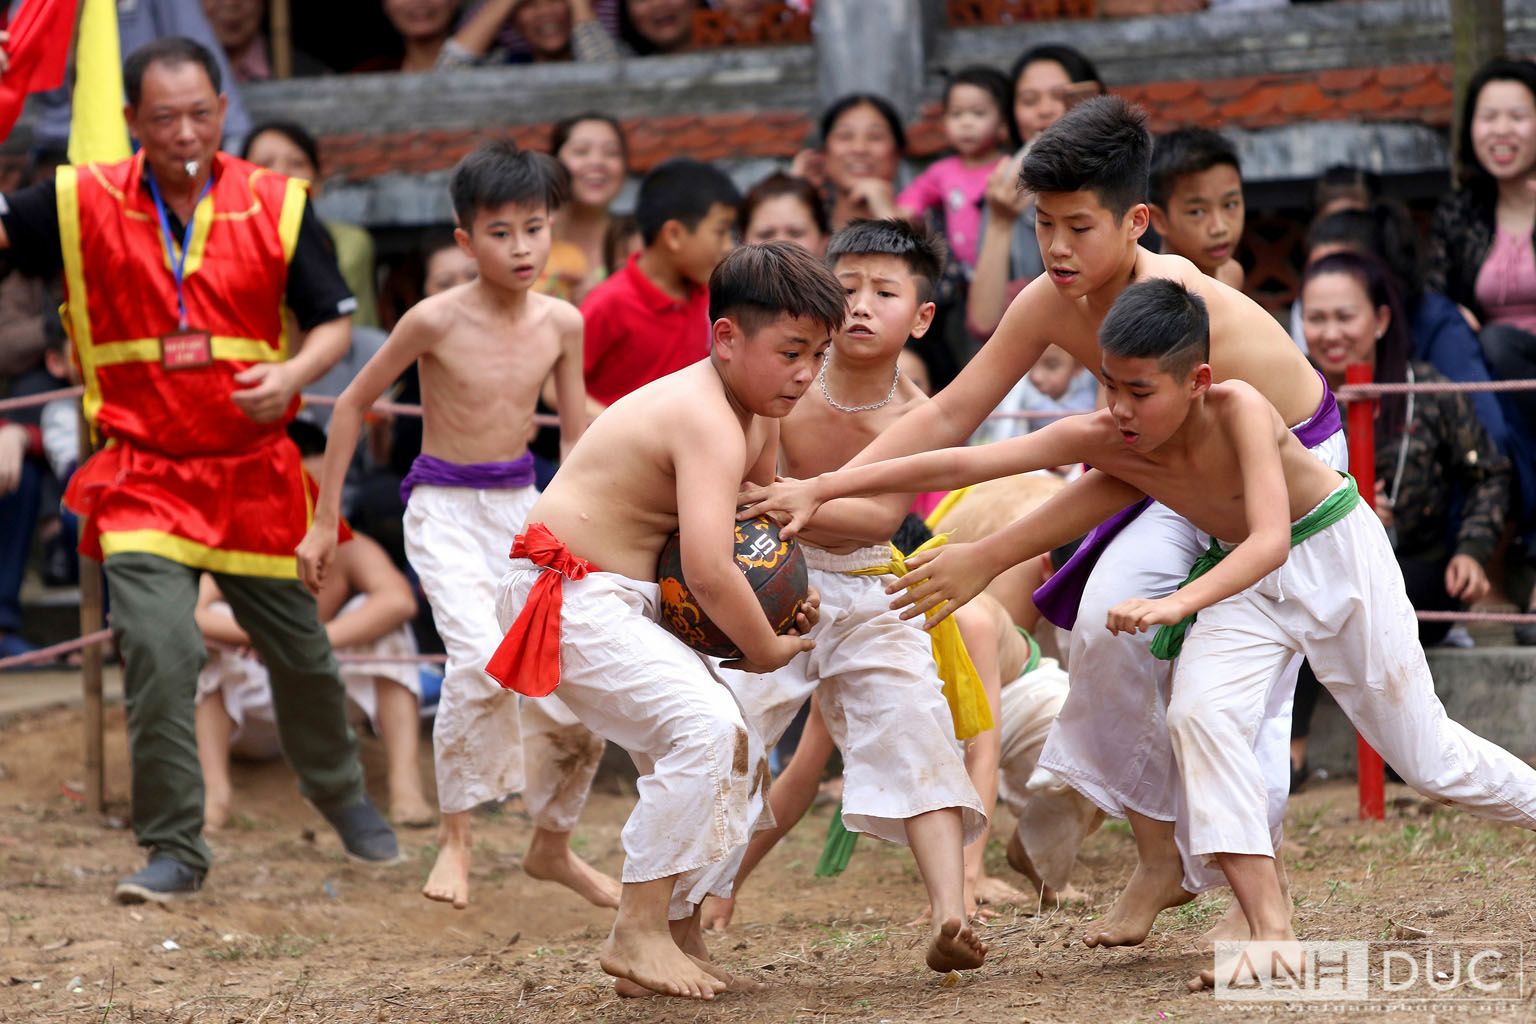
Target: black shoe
[365,833]
[1525,634]
[163,878]
[1298,777]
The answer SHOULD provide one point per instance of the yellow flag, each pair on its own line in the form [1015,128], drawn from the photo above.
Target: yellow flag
[97,131]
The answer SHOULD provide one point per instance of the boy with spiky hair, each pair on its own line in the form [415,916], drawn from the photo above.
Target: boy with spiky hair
[1196,199]
[874,675]
[1088,173]
[1294,562]
[483,349]
[580,602]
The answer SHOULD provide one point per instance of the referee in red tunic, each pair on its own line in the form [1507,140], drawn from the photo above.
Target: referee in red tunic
[178,265]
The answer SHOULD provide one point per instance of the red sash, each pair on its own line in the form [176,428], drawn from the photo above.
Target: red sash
[528,658]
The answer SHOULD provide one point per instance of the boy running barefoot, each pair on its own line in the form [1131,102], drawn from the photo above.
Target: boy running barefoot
[874,675]
[1295,563]
[1088,173]
[483,349]
[581,601]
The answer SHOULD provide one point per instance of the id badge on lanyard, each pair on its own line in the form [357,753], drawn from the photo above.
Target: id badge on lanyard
[187,347]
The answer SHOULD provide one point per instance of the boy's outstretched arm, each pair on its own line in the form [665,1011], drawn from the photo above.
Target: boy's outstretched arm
[955,412]
[412,336]
[953,574]
[570,385]
[1250,423]
[1059,444]
[707,458]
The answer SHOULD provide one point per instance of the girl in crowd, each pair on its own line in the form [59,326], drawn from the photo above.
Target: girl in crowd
[783,208]
[1482,255]
[656,26]
[1429,447]
[593,149]
[862,142]
[541,30]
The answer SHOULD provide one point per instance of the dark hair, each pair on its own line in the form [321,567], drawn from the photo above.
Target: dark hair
[683,190]
[914,244]
[616,239]
[780,184]
[1385,231]
[1340,180]
[756,284]
[293,133]
[1158,319]
[912,534]
[1101,145]
[995,84]
[1395,346]
[1470,172]
[172,51]
[1077,67]
[639,45]
[843,104]
[1183,152]
[560,134]
[307,437]
[497,173]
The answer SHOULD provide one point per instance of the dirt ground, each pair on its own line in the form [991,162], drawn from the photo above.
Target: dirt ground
[288,930]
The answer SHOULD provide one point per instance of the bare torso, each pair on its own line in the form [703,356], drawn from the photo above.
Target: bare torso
[816,438]
[1201,478]
[614,501]
[480,379]
[1246,342]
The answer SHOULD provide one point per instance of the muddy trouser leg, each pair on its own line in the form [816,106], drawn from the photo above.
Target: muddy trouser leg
[560,760]
[153,600]
[308,697]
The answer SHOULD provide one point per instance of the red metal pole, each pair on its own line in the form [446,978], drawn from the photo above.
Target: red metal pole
[1362,466]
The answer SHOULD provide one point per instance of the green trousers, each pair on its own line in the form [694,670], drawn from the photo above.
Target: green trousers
[153,601]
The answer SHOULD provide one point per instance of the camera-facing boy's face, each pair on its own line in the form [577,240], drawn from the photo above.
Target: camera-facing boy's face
[696,253]
[884,308]
[510,243]
[1148,402]
[1203,221]
[769,368]
[1053,372]
[1082,244]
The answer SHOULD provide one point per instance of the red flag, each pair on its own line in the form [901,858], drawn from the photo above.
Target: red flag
[38,50]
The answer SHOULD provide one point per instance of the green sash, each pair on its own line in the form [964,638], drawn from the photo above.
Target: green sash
[1169,640]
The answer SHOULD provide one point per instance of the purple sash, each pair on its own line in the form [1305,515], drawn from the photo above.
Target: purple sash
[429,470]
[1058,597]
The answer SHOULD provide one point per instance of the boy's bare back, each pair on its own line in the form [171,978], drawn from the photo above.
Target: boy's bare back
[816,438]
[482,366]
[615,499]
[1246,342]
[1202,480]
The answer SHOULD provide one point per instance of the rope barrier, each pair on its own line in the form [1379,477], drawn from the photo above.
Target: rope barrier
[42,398]
[47,655]
[1366,391]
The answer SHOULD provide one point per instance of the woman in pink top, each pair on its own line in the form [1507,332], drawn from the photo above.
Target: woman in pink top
[1483,255]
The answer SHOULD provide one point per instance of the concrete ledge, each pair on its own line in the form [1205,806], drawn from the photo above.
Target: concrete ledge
[1491,691]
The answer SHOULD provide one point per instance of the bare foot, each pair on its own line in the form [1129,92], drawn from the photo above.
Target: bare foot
[717,913]
[449,880]
[991,890]
[1233,927]
[653,961]
[410,810]
[956,948]
[1259,960]
[216,803]
[1150,891]
[1049,898]
[552,860]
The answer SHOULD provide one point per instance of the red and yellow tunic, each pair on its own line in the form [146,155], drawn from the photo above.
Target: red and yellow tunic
[185,474]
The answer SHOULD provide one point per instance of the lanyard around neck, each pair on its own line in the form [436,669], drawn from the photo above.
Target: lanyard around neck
[177,258]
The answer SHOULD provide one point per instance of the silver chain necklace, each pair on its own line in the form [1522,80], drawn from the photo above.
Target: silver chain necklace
[821,379]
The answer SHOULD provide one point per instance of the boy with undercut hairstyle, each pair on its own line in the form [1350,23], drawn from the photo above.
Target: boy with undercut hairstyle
[874,675]
[1088,173]
[580,602]
[1195,193]
[1294,563]
[482,348]
[651,317]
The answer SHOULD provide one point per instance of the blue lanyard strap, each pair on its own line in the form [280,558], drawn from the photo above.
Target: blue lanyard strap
[177,259]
